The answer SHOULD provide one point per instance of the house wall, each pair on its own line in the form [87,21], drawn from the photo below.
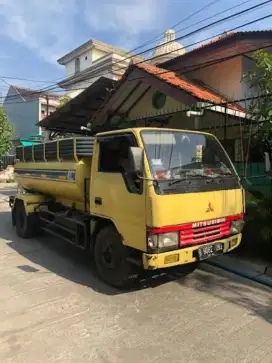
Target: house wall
[44,110]
[211,122]
[91,55]
[226,76]
[145,108]
[23,115]
[84,63]
[70,69]
[96,54]
[247,65]
[223,77]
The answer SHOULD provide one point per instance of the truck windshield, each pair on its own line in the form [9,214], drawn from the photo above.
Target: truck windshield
[184,156]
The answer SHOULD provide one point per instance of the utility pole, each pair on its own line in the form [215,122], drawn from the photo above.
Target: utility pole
[47,105]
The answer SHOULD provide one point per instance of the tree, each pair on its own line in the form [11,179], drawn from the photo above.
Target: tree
[64,100]
[6,133]
[259,80]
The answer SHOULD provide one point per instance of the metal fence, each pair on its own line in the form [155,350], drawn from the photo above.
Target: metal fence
[6,160]
[255,172]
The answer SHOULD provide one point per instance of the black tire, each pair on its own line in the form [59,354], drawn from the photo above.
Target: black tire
[27,226]
[111,259]
[13,219]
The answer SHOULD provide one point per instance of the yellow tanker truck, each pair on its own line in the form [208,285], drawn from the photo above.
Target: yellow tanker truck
[140,198]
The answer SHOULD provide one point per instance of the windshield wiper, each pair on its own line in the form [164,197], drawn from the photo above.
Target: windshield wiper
[188,176]
[208,178]
[175,181]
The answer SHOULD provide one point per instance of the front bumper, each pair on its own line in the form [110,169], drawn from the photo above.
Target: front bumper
[185,255]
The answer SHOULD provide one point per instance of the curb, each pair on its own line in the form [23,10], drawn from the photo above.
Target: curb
[257,278]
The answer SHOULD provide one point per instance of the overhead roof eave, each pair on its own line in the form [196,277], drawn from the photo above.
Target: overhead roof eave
[78,111]
[221,109]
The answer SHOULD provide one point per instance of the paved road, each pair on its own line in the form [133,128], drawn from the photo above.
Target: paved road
[53,308]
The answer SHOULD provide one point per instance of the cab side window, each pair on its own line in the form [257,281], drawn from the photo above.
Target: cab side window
[108,158]
[114,153]
[114,158]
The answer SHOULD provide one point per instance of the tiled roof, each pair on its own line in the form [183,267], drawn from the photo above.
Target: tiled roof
[28,93]
[227,36]
[219,39]
[195,90]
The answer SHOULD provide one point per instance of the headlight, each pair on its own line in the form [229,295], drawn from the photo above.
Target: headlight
[236,226]
[168,240]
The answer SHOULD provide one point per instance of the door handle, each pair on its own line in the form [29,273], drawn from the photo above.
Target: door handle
[98,200]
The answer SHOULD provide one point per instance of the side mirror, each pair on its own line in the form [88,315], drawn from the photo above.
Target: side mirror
[136,159]
[267,162]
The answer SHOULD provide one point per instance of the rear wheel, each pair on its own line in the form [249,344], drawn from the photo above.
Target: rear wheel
[27,226]
[111,259]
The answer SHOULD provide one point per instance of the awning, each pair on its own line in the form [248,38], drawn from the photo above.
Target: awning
[30,143]
[79,110]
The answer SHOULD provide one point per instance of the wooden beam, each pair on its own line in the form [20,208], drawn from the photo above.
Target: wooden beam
[138,99]
[128,96]
[170,90]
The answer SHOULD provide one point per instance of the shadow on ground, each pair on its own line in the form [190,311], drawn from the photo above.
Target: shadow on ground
[66,261]
[253,297]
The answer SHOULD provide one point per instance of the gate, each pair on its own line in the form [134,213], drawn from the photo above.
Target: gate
[6,160]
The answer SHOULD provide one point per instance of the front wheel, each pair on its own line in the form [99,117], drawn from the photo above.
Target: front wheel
[111,259]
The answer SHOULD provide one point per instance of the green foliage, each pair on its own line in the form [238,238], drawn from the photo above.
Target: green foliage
[64,100]
[6,133]
[259,207]
[259,80]
[261,214]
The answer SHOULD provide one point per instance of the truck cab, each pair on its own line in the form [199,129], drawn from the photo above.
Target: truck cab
[156,199]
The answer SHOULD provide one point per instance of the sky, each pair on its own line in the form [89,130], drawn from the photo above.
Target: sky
[35,33]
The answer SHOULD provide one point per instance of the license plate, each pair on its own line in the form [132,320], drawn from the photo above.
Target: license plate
[210,250]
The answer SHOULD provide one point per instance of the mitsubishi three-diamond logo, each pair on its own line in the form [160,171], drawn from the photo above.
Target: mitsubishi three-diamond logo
[210,208]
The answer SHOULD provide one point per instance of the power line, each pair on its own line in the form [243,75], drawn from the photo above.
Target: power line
[84,78]
[155,39]
[27,79]
[197,66]
[193,67]
[150,41]
[132,56]
[206,107]
[212,16]
[128,52]
[193,33]
[179,38]
[209,63]
[199,22]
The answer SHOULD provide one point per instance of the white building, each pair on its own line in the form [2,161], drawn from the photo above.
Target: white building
[93,59]
[85,64]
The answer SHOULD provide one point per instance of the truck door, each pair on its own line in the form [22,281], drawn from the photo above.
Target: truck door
[117,194]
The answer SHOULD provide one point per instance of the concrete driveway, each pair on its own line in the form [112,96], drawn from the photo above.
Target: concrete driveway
[53,308]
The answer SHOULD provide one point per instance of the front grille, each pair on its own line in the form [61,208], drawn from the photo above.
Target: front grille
[192,236]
